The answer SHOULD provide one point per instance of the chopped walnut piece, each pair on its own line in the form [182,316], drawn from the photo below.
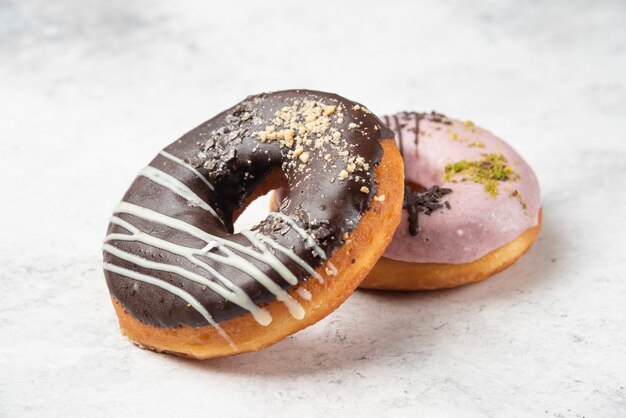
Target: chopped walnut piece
[304,126]
[329,110]
[304,157]
[364,189]
[298,151]
[288,134]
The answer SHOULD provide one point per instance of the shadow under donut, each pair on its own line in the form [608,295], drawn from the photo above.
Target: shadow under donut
[365,330]
[378,327]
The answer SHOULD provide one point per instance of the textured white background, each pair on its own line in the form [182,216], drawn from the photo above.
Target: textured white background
[91,90]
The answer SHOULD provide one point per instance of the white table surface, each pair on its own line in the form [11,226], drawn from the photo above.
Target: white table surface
[91,90]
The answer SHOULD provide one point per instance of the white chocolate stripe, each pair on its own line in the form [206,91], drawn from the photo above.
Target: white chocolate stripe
[178,187]
[295,309]
[188,167]
[154,216]
[193,302]
[289,253]
[271,259]
[303,293]
[235,295]
[144,213]
[121,222]
[302,232]
[231,259]
[331,267]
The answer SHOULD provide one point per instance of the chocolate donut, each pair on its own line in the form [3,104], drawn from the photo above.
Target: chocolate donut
[183,282]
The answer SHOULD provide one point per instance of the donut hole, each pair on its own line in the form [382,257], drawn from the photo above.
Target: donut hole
[253,213]
[257,205]
[414,186]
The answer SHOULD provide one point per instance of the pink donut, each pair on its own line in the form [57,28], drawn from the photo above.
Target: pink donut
[481,196]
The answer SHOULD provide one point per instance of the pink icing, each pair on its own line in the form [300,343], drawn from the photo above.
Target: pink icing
[476,223]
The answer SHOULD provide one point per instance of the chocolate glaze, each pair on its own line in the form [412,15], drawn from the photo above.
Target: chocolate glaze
[422,201]
[228,151]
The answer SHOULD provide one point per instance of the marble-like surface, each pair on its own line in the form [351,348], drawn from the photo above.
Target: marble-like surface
[90,90]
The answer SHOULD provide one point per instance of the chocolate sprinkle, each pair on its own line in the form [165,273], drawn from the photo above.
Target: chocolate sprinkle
[426,201]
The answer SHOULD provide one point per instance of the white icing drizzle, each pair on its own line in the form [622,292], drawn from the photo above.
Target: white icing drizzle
[291,254]
[212,240]
[295,309]
[271,260]
[188,167]
[303,293]
[178,187]
[193,302]
[121,222]
[233,294]
[231,258]
[302,232]
[221,285]
[332,268]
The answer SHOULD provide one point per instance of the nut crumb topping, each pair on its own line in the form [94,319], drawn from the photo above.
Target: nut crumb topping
[298,151]
[304,157]
[310,128]
[308,136]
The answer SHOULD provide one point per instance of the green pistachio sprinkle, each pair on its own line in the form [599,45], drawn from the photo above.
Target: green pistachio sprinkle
[477,144]
[488,171]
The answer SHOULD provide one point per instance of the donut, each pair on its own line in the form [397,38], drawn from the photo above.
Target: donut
[182,281]
[472,206]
